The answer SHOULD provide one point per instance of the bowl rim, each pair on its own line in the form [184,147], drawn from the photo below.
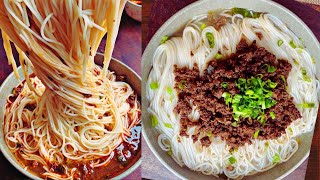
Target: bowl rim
[138,5]
[31,175]
[149,48]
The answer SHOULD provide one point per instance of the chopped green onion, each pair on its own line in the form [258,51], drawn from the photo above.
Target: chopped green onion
[227,97]
[290,129]
[272,115]
[296,62]
[256,134]
[266,146]
[182,84]
[300,50]
[218,56]
[154,121]
[209,134]
[169,90]
[249,92]
[292,44]
[271,69]
[272,84]
[276,158]
[313,60]
[170,151]
[232,160]
[255,15]
[164,39]
[280,42]
[245,12]
[224,85]
[261,118]
[203,25]
[283,79]
[210,38]
[168,125]
[306,105]
[234,124]
[154,85]
[305,76]
[100,97]
[255,96]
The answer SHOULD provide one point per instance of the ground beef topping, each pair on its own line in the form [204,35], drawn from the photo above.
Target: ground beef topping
[217,97]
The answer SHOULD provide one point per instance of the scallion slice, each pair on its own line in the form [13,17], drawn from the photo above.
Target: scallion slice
[164,39]
[232,160]
[154,85]
[154,121]
[210,38]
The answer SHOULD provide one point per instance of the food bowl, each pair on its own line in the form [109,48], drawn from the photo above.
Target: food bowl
[134,10]
[178,21]
[118,67]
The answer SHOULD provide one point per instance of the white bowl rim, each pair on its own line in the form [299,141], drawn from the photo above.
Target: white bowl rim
[163,27]
[135,4]
[32,175]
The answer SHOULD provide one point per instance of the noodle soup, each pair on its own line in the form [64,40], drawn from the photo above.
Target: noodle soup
[225,93]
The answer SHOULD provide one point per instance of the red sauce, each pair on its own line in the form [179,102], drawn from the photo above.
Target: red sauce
[125,156]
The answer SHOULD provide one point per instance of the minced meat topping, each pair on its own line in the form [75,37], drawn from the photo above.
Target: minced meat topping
[219,96]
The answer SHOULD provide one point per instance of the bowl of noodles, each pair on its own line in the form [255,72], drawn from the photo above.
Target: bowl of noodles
[117,168]
[230,90]
[68,112]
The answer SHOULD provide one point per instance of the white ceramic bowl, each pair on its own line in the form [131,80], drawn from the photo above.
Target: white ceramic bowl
[120,68]
[134,10]
[178,21]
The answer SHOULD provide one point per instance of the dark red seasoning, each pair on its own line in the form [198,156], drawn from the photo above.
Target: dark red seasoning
[215,116]
[125,155]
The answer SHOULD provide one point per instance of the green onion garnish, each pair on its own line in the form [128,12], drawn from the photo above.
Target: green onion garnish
[210,39]
[168,125]
[202,26]
[276,158]
[272,115]
[272,85]
[296,62]
[164,39]
[313,60]
[169,90]
[154,85]
[255,96]
[280,42]
[256,134]
[245,12]
[224,85]
[270,69]
[306,105]
[154,121]
[218,56]
[227,97]
[292,44]
[234,124]
[182,84]
[266,146]
[305,75]
[290,129]
[232,160]
[170,151]
[209,134]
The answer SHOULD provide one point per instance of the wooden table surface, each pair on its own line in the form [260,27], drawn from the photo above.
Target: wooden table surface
[163,10]
[127,50]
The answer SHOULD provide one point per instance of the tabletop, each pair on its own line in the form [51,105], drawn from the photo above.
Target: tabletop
[127,49]
[308,11]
